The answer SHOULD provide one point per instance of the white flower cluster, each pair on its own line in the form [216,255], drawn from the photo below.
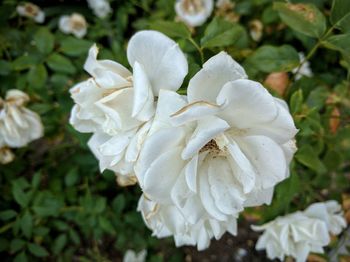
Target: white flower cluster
[200,159]
[300,233]
[18,125]
[73,24]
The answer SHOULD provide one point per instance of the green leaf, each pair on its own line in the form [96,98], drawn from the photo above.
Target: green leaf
[19,195]
[44,40]
[27,224]
[72,177]
[21,257]
[304,18]
[36,179]
[75,47]
[59,244]
[274,59]
[220,33]
[296,101]
[340,14]
[37,250]
[7,214]
[37,76]
[59,63]
[24,62]
[307,156]
[171,29]
[16,245]
[339,43]
[5,67]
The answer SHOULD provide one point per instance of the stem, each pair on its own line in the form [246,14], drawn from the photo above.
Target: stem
[199,49]
[6,227]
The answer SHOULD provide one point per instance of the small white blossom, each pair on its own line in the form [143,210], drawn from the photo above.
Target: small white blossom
[32,11]
[18,125]
[73,24]
[293,235]
[302,232]
[256,29]
[132,256]
[331,213]
[101,8]
[194,12]
[304,70]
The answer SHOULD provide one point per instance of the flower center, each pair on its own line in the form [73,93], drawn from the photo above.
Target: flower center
[77,23]
[31,9]
[210,146]
[193,6]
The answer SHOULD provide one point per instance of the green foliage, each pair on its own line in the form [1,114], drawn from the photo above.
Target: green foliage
[304,18]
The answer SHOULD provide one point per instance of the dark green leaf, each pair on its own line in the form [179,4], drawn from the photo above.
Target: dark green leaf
[72,177]
[27,224]
[304,18]
[20,197]
[37,250]
[296,101]
[307,156]
[44,40]
[340,43]
[75,47]
[274,59]
[220,33]
[61,64]
[7,214]
[21,257]
[171,29]
[340,14]
[5,67]
[16,245]
[24,62]
[36,179]
[59,244]
[37,76]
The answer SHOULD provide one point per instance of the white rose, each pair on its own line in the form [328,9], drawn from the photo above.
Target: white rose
[73,24]
[194,12]
[119,106]
[331,213]
[101,8]
[293,235]
[32,11]
[18,125]
[232,144]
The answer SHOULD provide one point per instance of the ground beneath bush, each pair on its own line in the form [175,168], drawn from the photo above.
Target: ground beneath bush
[240,248]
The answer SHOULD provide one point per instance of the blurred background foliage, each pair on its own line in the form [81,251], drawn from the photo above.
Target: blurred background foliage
[55,204]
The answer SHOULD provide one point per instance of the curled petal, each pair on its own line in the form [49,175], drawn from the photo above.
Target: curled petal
[216,72]
[163,61]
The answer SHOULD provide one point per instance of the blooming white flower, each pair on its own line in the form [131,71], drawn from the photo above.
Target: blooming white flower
[73,24]
[293,235]
[101,8]
[194,12]
[304,70]
[117,105]
[32,11]
[231,144]
[18,125]
[331,213]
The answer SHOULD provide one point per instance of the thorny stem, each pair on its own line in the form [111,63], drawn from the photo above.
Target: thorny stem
[199,49]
